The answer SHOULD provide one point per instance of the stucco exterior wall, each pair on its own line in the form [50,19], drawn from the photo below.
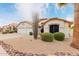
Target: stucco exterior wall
[24,28]
[63,27]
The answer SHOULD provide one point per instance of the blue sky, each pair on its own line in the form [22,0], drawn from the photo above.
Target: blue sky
[9,12]
[62,12]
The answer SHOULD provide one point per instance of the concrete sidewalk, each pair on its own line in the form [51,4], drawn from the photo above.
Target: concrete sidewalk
[3,52]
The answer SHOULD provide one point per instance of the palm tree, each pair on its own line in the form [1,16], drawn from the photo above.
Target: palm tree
[75,41]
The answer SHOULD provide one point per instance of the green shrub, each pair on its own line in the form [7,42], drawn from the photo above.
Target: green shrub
[30,33]
[7,31]
[4,32]
[48,37]
[59,36]
[15,31]
[11,31]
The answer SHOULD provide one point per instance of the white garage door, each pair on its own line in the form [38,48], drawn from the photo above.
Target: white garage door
[22,31]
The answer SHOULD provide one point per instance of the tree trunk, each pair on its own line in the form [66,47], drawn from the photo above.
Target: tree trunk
[75,41]
[35,25]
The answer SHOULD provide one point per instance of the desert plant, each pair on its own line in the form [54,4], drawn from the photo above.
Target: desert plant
[48,37]
[7,30]
[30,33]
[11,31]
[4,32]
[35,25]
[59,36]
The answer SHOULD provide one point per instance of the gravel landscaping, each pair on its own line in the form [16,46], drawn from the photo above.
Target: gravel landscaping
[12,52]
[27,46]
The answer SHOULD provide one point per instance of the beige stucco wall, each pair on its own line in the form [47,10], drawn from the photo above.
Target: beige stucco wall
[63,27]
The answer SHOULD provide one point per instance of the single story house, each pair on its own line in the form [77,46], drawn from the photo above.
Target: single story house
[24,27]
[47,25]
[57,25]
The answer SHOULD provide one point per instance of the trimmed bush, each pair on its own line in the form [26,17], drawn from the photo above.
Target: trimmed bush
[30,33]
[4,32]
[59,36]
[11,31]
[14,31]
[48,37]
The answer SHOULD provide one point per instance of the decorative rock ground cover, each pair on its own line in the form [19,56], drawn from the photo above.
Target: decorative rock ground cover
[12,52]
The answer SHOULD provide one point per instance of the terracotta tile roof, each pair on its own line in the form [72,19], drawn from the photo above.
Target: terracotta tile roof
[57,19]
[44,21]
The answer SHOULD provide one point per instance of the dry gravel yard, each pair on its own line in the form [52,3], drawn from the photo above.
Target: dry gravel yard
[27,44]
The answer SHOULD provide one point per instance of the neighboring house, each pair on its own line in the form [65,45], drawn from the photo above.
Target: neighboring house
[24,27]
[9,27]
[0,29]
[47,25]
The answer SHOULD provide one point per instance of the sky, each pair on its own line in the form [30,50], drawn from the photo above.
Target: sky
[16,12]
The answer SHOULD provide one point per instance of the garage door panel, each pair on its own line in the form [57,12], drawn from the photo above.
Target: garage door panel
[22,30]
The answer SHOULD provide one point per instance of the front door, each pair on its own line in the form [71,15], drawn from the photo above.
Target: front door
[54,28]
[42,29]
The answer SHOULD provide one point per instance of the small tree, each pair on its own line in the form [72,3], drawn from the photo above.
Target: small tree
[35,25]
